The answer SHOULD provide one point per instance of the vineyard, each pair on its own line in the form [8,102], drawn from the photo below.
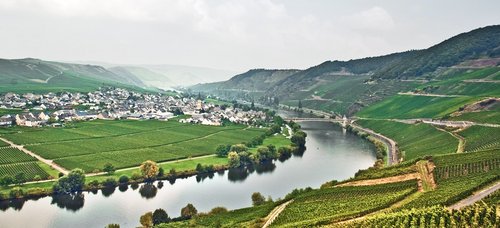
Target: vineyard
[317,207]
[30,170]
[451,190]
[477,215]
[10,155]
[414,140]
[456,165]
[90,145]
[245,217]
[481,138]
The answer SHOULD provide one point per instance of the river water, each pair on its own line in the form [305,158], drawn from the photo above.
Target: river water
[330,153]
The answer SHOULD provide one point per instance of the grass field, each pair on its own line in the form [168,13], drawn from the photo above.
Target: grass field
[414,140]
[479,138]
[90,145]
[408,107]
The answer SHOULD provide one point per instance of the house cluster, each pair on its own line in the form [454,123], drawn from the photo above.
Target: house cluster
[33,110]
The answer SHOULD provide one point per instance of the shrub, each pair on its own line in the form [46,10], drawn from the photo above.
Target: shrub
[16,193]
[123,179]
[109,182]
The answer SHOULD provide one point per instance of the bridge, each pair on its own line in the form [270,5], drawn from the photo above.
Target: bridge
[343,121]
[391,144]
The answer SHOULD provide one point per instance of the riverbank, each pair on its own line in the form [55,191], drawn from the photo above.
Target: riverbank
[173,170]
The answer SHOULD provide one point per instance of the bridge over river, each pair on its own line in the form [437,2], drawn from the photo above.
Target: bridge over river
[391,144]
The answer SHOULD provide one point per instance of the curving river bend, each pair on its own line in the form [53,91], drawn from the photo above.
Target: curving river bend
[331,154]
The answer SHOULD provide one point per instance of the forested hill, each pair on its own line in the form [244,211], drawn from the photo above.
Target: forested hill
[252,80]
[478,43]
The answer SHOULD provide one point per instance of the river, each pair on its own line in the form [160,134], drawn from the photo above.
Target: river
[331,154]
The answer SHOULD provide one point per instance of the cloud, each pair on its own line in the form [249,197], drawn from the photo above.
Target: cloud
[373,19]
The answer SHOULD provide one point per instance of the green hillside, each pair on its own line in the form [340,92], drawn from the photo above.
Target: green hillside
[34,75]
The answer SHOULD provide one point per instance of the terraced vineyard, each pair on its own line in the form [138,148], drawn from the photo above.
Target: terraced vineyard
[30,170]
[409,106]
[478,215]
[458,184]
[480,138]
[415,140]
[245,217]
[328,205]
[456,165]
[90,145]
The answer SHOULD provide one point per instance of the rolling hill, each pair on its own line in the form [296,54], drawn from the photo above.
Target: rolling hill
[345,87]
[29,74]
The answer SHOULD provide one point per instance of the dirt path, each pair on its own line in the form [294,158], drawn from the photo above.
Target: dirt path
[275,212]
[429,94]
[46,161]
[385,180]
[161,163]
[461,140]
[391,144]
[388,209]
[476,196]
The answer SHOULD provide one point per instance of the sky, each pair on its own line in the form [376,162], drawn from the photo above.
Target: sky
[231,34]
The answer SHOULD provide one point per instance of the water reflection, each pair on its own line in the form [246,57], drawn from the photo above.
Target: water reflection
[108,191]
[16,204]
[148,190]
[123,187]
[70,202]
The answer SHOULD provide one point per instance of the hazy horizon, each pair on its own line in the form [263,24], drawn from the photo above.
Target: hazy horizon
[230,35]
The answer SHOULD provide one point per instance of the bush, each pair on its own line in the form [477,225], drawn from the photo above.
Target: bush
[123,179]
[258,199]
[136,176]
[109,182]
[161,172]
[188,211]
[37,178]
[6,180]
[16,193]
[160,216]
[93,184]
[217,210]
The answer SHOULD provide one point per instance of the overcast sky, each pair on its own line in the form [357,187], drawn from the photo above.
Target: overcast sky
[231,34]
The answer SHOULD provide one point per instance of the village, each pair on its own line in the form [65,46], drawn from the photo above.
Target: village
[51,109]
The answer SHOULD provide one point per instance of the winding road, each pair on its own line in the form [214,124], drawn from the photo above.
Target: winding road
[476,197]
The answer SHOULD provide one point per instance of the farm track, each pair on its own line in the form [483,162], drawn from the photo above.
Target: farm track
[387,209]
[275,212]
[461,139]
[477,196]
[160,163]
[46,161]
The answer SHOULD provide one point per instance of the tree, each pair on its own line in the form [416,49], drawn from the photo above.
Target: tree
[300,104]
[109,168]
[160,216]
[161,172]
[113,225]
[258,199]
[217,210]
[6,180]
[146,220]
[238,148]
[71,183]
[149,169]
[188,211]
[299,138]
[19,178]
[234,159]
[123,179]
[252,106]
[222,150]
